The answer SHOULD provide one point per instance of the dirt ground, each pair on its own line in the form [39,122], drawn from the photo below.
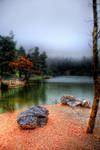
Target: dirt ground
[65,130]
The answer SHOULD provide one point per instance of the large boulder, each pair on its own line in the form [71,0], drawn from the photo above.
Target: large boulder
[33,117]
[73,101]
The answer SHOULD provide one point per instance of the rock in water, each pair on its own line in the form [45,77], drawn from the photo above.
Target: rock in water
[33,117]
[73,101]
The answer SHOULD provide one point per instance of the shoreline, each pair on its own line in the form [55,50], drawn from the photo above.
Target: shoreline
[65,130]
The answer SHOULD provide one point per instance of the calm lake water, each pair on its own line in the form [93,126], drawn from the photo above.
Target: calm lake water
[45,93]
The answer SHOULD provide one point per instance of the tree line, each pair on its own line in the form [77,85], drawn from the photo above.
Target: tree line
[70,66]
[16,61]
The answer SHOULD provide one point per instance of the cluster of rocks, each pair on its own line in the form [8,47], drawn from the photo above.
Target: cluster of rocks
[73,101]
[38,116]
[33,117]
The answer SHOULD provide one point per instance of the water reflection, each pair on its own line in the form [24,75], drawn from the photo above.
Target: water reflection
[54,91]
[22,97]
[46,93]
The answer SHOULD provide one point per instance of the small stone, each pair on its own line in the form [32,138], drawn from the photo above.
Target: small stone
[33,117]
[85,103]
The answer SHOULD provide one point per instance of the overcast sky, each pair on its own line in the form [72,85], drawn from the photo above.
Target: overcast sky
[60,27]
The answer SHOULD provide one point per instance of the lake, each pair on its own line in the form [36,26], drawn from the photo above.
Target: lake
[47,92]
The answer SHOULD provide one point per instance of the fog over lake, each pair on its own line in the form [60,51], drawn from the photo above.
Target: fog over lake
[60,27]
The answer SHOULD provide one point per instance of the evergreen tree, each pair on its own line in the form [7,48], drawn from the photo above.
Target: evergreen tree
[43,63]
[35,58]
[21,52]
[7,53]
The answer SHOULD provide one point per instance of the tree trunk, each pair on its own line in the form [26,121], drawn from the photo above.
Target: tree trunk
[92,118]
[20,74]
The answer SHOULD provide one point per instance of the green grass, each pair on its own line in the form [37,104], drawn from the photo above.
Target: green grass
[39,77]
[17,74]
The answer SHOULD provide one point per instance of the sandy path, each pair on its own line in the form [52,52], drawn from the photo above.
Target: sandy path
[65,130]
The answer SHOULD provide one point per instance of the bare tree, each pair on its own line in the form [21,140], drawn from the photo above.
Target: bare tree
[92,118]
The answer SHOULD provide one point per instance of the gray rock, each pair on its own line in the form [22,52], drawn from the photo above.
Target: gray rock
[73,101]
[67,99]
[85,103]
[33,117]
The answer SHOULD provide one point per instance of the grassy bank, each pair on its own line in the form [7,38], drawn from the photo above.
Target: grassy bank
[39,77]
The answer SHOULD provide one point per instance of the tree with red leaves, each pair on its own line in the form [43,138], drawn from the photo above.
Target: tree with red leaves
[23,65]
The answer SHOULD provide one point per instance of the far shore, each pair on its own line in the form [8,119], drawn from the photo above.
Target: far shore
[14,83]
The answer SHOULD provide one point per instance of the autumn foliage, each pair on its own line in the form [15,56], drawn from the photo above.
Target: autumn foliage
[22,65]
[37,72]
